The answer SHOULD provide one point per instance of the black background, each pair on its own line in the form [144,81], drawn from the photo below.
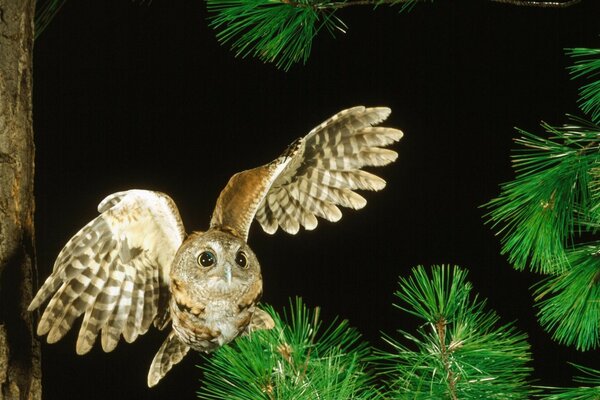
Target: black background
[131,95]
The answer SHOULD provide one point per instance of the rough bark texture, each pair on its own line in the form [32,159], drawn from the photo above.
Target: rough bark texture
[20,372]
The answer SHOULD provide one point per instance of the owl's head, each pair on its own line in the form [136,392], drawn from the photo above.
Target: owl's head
[215,264]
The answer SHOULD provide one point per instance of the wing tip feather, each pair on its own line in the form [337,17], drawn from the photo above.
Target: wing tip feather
[382,111]
[376,156]
[83,347]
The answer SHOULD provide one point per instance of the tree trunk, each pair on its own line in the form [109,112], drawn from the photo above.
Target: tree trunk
[20,371]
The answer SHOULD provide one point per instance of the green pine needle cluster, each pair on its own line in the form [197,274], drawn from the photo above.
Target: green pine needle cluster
[587,64]
[589,388]
[548,217]
[570,302]
[273,31]
[280,31]
[460,351]
[544,208]
[297,359]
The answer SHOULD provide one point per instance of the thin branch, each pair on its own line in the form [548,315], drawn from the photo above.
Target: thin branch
[440,327]
[368,3]
[350,3]
[539,4]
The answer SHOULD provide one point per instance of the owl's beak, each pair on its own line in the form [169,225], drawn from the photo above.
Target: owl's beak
[228,273]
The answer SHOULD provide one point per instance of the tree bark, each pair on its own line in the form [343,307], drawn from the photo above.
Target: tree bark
[20,370]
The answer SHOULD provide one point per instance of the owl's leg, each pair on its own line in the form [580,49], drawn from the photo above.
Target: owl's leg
[260,320]
[170,353]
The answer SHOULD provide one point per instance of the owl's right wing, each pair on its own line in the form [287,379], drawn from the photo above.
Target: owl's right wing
[315,175]
[115,270]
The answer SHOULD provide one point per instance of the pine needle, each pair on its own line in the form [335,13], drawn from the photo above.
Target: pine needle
[587,64]
[45,11]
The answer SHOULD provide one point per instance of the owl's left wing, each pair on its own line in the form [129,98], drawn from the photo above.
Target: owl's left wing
[315,175]
[114,271]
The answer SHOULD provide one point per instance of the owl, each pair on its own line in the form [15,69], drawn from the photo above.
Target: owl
[134,266]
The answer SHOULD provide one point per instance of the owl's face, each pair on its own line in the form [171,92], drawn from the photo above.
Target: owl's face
[214,265]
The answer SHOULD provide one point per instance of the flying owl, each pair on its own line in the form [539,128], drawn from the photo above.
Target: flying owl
[134,265]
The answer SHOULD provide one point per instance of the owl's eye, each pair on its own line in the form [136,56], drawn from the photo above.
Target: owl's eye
[241,260]
[206,259]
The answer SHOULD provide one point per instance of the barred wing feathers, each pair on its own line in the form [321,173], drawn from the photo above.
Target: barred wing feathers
[315,175]
[327,170]
[114,271]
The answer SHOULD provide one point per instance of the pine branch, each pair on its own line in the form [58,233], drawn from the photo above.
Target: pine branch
[539,4]
[344,4]
[273,31]
[461,351]
[277,31]
[552,203]
[286,39]
[541,212]
[281,31]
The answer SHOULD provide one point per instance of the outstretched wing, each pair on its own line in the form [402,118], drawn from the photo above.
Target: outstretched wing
[115,270]
[314,176]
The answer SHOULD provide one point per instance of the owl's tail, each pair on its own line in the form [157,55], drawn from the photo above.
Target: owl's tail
[170,353]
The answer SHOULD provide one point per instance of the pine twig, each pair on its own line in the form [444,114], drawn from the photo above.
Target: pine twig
[460,351]
[520,3]
[539,4]
[440,328]
[339,5]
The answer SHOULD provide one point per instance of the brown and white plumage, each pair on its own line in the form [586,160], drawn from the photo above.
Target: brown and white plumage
[114,270]
[133,265]
[315,175]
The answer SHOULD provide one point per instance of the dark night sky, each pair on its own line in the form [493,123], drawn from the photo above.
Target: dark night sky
[131,95]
